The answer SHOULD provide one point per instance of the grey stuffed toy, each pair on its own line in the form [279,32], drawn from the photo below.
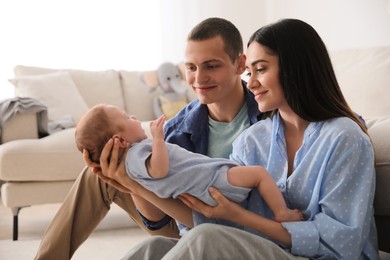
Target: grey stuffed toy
[174,89]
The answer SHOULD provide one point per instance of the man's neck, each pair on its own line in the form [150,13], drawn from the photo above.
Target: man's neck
[226,110]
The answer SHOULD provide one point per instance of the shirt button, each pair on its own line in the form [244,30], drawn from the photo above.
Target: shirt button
[282,186]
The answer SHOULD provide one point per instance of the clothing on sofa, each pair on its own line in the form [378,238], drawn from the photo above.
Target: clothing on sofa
[10,107]
[61,123]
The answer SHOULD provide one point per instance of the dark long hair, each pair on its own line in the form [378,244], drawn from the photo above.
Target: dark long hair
[305,71]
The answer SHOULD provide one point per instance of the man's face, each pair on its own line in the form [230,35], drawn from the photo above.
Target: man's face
[210,71]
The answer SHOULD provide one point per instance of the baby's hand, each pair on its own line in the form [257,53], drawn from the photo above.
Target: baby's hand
[156,127]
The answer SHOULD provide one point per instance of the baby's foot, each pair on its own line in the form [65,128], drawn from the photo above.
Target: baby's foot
[289,215]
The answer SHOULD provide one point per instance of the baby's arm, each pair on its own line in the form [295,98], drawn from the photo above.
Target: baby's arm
[158,162]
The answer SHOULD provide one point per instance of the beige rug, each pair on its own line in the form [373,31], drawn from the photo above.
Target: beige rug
[111,240]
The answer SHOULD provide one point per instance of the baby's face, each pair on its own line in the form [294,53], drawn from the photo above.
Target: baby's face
[132,130]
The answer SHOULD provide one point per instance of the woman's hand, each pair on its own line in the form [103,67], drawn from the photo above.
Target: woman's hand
[225,209]
[233,212]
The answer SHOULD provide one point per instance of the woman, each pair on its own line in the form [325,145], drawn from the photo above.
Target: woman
[314,146]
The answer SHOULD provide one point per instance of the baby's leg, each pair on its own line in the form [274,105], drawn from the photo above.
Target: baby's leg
[258,177]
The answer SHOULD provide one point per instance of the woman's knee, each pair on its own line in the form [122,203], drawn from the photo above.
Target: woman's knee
[205,232]
[151,248]
[158,246]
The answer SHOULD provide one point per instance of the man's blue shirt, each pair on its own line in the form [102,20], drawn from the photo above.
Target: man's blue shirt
[189,128]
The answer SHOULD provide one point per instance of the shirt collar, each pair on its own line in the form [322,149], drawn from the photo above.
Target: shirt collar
[197,119]
[278,125]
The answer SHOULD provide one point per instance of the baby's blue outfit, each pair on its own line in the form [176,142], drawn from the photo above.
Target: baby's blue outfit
[333,183]
[189,172]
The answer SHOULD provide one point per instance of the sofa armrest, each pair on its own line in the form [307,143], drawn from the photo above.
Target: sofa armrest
[379,129]
[20,126]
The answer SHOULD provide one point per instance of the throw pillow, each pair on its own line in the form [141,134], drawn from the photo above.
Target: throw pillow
[55,90]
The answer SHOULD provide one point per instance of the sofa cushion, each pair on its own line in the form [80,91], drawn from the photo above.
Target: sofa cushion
[52,158]
[94,86]
[99,87]
[139,96]
[364,77]
[56,91]
[23,194]
[139,99]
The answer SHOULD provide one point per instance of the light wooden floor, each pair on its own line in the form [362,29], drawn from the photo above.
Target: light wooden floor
[111,240]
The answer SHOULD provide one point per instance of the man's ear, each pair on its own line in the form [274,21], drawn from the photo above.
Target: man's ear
[122,141]
[241,64]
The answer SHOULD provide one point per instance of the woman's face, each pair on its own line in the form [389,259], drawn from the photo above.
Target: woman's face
[263,72]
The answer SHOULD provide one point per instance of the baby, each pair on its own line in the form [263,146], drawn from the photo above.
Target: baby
[169,170]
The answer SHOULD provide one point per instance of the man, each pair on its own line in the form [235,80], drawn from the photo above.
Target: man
[214,64]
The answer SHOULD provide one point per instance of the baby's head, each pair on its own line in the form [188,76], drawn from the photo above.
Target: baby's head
[103,122]
[94,130]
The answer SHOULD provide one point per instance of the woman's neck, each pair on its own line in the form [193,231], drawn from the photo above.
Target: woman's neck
[294,129]
[293,124]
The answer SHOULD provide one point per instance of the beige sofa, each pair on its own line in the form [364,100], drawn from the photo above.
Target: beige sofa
[37,171]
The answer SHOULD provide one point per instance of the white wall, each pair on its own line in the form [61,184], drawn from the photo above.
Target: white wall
[186,14]
[101,34]
[78,34]
[341,23]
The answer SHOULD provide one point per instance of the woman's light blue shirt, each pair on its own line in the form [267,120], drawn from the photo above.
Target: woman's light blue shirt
[333,182]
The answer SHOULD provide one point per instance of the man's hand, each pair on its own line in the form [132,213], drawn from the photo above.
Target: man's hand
[94,166]
[110,171]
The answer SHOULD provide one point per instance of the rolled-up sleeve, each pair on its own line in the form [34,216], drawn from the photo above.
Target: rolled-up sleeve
[305,237]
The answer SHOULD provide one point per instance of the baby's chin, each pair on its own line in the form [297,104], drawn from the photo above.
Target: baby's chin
[145,136]
[141,137]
